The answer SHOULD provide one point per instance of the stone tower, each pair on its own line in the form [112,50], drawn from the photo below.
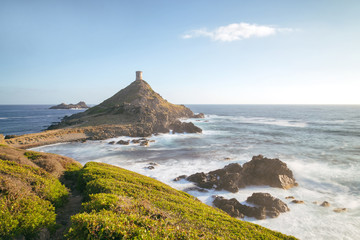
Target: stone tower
[139,75]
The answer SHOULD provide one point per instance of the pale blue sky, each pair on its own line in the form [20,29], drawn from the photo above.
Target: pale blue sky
[203,51]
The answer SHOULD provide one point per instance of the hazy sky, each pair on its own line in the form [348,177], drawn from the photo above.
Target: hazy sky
[190,51]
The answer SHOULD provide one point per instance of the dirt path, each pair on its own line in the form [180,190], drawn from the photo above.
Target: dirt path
[72,207]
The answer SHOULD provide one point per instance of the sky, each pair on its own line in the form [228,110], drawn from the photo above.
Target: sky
[190,52]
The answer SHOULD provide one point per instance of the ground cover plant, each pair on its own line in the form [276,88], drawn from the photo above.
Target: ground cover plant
[125,205]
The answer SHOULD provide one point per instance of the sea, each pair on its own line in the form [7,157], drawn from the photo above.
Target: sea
[319,143]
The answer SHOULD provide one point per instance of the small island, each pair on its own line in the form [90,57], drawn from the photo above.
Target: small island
[79,105]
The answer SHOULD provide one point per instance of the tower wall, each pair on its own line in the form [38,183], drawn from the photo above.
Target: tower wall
[138,75]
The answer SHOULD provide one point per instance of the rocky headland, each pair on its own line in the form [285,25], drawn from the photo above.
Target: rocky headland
[136,111]
[79,105]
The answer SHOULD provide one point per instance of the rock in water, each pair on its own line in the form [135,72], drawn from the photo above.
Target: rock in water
[139,108]
[228,178]
[259,171]
[267,205]
[236,209]
[266,171]
[273,206]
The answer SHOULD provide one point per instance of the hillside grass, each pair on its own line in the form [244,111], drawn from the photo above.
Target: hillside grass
[30,191]
[125,205]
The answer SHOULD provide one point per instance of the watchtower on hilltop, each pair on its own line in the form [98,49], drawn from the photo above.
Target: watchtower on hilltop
[139,75]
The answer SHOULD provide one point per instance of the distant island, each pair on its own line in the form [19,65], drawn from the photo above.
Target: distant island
[80,104]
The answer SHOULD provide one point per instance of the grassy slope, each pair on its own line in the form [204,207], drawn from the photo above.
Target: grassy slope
[30,190]
[120,204]
[124,204]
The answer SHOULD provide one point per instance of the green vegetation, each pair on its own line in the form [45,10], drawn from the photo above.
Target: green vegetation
[28,197]
[32,155]
[119,204]
[125,205]
[30,191]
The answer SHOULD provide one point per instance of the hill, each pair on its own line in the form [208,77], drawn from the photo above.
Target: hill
[138,105]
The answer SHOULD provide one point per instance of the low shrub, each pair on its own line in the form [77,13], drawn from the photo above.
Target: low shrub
[28,197]
[126,205]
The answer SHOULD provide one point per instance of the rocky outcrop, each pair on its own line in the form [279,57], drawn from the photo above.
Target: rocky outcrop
[199,115]
[228,178]
[137,105]
[273,206]
[265,206]
[259,171]
[235,209]
[79,105]
[184,127]
[266,171]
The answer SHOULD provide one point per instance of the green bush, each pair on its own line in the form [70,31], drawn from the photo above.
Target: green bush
[28,197]
[32,155]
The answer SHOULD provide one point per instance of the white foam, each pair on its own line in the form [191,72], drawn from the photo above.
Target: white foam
[317,181]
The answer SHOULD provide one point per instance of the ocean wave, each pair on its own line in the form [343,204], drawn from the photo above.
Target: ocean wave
[261,120]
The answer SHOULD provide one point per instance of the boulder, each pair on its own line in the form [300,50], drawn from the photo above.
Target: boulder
[297,201]
[195,189]
[179,178]
[266,171]
[144,143]
[123,142]
[199,115]
[228,178]
[273,206]
[235,209]
[184,127]
[136,140]
[325,204]
[259,171]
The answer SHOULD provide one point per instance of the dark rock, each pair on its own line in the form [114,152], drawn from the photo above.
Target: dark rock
[112,142]
[136,140]
[199,115]
[144,143]
[325,204]
[123,142]
[273,206]
[150,167]
[227,158]
[153,164]
[265,171]
[179,178]
[259,171]
[228,178]
[298,201]
[236,209]
[289,197]
[184,127]
[195,189]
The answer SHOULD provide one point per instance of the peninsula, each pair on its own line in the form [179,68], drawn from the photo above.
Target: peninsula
[136,111]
